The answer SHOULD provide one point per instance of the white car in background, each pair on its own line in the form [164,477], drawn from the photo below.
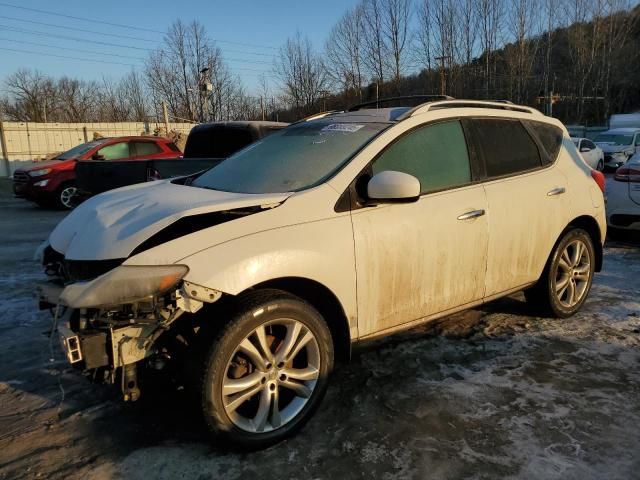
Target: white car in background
[623,196]
[619,145]
[592,154]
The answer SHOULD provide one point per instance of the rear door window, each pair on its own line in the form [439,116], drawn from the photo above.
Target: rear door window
[115,151]
[146,148]
[435,154]
[506,146]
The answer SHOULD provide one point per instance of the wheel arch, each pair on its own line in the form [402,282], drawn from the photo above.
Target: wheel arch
[590,225]
[323,300]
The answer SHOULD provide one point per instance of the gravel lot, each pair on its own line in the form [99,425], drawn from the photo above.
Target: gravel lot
[491,393]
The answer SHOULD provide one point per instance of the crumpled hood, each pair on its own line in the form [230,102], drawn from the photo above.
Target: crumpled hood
[111,225]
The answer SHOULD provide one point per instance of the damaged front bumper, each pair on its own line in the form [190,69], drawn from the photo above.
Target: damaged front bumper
[107,341]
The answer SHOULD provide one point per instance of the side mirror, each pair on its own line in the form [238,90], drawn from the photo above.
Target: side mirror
[97,156]
[585,149]
[390,186]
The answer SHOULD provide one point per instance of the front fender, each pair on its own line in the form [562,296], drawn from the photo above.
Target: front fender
[322,251]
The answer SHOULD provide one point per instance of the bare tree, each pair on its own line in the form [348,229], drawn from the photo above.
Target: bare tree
[174,70]
[424,35]
[445,37]
[344,51]
[523,23]
[76,100]
[302,72]
[490,14]
[136,96]
[395,28]
[34,96]
[584,40]
[617,27]
[375,47]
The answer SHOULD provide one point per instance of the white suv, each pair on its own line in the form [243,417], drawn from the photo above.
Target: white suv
[259,273]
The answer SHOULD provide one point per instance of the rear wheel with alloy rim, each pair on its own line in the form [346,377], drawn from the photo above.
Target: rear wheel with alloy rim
[567,278]
[267,370]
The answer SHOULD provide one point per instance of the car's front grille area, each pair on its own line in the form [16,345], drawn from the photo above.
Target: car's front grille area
[20,178]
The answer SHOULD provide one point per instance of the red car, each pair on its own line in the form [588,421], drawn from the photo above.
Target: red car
[53,182]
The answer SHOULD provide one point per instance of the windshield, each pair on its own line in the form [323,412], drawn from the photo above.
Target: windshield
[621,139]
[75,152]
[294,158]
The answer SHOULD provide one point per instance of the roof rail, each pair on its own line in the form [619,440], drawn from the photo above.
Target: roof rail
[376,103]
[494,104]
[315,116]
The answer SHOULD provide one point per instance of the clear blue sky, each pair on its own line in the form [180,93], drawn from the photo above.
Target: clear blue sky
[262,24]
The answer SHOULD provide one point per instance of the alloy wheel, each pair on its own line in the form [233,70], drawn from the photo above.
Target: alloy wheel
[271,376]
[573,274]
[66,196]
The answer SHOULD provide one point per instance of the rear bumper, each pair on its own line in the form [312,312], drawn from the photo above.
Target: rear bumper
[625,220]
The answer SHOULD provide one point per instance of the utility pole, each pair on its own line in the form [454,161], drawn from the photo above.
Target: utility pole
[3,148]
[377,94]
[165,115]
[205,88]
[443,87]
[553,87]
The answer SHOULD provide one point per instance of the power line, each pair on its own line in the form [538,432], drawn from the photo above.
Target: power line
[250,53]
[121,25]
[65,37]
[93,52]
[84,30]
[65,56]
[98,42]
[229,59]
[84,19]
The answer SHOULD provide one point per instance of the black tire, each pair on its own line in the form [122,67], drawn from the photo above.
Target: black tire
[600,166]
[62,199]
[543,297]
[257,309]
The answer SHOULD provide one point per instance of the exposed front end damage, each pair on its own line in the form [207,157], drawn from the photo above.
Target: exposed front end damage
[111,323]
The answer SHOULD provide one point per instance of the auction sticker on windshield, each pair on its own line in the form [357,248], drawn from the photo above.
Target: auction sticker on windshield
[342,127]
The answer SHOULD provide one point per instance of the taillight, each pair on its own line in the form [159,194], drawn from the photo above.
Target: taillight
[598,177]
[628,173]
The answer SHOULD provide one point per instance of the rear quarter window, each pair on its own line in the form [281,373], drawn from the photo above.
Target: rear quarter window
[550,137]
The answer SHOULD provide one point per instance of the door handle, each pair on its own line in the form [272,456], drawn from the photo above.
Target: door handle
[471,214]
[556,191]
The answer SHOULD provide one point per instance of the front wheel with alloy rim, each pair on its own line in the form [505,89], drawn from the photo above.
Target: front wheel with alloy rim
[267,370]
[567,277]
[64,196]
